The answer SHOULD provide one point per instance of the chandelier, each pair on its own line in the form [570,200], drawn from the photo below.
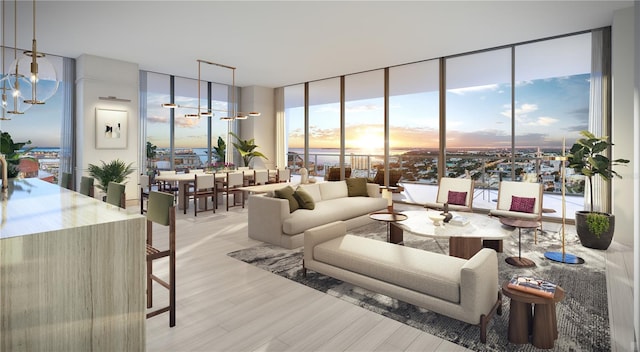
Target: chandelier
[232,114]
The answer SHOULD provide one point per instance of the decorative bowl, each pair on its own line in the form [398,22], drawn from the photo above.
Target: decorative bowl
[436,218]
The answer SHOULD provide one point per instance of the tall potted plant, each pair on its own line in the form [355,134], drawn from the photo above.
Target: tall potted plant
[12,152]
[246,148]
[115,170]
[595,229]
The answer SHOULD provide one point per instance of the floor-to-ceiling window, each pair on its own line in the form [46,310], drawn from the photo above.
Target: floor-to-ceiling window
[414,122]
[294,119]
[191,133]
[364,123]
[324,126]
[157,118]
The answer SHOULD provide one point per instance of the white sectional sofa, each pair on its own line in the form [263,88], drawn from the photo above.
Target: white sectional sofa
[270,220]
[466,290]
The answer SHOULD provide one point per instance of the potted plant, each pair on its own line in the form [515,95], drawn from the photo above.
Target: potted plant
[12,153]
[115,170]
[246,148]
[220,151]
[595,229]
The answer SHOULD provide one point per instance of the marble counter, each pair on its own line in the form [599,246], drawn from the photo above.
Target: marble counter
[71,271]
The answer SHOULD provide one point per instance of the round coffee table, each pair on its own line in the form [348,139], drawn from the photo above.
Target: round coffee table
[388,218]
[541,323]
[520,224]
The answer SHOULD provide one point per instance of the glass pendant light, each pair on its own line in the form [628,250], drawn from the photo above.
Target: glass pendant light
[15,100]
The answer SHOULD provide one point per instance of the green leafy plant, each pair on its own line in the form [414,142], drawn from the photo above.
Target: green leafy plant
[246,148]
[598,223]
[585,157]
[151,150]
[220,151]
[115,170]
[12,152]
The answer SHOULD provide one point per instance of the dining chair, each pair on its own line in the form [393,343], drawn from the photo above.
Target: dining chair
[116,195]
[162,211]
[260,177]
[204,187]
[283,175]
[165,186]
[66,180]
[456,192]
[145,188]
[230,186]
[86,186]
[520,200]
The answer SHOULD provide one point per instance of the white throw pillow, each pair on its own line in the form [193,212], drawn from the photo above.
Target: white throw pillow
[313,190]
[333,189]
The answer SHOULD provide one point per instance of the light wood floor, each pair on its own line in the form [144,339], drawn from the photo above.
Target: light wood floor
[226,305]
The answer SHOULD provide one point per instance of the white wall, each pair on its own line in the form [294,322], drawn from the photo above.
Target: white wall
[262,128]
[101,77]
[636,167]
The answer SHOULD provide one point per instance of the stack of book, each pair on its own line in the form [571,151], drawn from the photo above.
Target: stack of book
[459,220]
[533,285]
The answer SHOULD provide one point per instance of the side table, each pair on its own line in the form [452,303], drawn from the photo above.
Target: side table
[520,224]
[541,324]
[389,218]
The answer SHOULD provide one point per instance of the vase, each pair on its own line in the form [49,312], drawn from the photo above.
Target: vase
[587,238]
[304,175]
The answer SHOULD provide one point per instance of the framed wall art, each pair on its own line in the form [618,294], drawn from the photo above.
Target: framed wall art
[111,129]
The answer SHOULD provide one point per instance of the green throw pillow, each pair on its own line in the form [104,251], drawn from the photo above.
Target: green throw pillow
[357,186]
[287,193]
[305,200]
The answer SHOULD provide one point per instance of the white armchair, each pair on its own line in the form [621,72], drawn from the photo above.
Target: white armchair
[458,192]
[520,200]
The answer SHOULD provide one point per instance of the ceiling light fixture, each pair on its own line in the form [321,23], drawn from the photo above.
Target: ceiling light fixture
[232,114]
[4,81]
[42,74]
[16,81]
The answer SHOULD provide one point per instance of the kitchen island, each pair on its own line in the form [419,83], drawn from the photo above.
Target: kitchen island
[72,271]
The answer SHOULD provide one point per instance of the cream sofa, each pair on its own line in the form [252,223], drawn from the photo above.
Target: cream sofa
[466,290]
[270,220]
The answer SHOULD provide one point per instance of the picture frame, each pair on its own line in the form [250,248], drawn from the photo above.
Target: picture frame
[111,129]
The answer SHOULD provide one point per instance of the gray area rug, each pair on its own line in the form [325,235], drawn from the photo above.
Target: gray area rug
[582,316]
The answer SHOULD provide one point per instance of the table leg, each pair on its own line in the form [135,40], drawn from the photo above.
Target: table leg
[519,322]
[544,329]
[396,235]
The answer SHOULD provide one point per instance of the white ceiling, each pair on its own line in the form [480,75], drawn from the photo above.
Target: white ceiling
[278,43]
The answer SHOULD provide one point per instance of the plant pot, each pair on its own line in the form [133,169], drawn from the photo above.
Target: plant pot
[590,240]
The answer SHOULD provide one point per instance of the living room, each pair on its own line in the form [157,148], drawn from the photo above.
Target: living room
[105,72]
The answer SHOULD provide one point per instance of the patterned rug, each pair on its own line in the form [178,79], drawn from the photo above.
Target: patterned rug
[582,316]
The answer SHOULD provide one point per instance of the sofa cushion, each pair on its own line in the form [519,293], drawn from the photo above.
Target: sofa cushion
[328,211]
[314,190]
[287,193]
[305,200]
[431,273]
[333,189]
[357,187]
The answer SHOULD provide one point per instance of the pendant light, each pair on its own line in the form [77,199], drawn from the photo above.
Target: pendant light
[41,72]
[3,81]
[15,104]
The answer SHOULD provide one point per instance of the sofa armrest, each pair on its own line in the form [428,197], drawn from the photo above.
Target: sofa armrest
[265,217]
[373,190]
[479,282]
[320,234]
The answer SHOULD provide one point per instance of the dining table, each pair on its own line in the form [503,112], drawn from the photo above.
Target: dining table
[183,180]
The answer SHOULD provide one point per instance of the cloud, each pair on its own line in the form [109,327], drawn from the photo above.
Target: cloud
[157,119]
[543,121]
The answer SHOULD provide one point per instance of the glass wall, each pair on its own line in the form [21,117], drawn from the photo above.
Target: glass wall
[294,119]
[494,129]
[189,136]
[324,126]
[364,123]
[414,121]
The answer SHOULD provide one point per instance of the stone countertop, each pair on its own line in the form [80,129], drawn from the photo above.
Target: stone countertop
[31,206]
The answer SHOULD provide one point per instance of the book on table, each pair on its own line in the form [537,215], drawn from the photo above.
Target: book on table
[533,285]
[459,220]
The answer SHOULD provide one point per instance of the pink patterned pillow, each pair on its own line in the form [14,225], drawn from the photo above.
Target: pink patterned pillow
[522,204]
[457,198]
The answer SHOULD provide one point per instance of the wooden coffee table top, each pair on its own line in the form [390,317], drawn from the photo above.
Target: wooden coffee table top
[521,223]
[388,217]
[525,297]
